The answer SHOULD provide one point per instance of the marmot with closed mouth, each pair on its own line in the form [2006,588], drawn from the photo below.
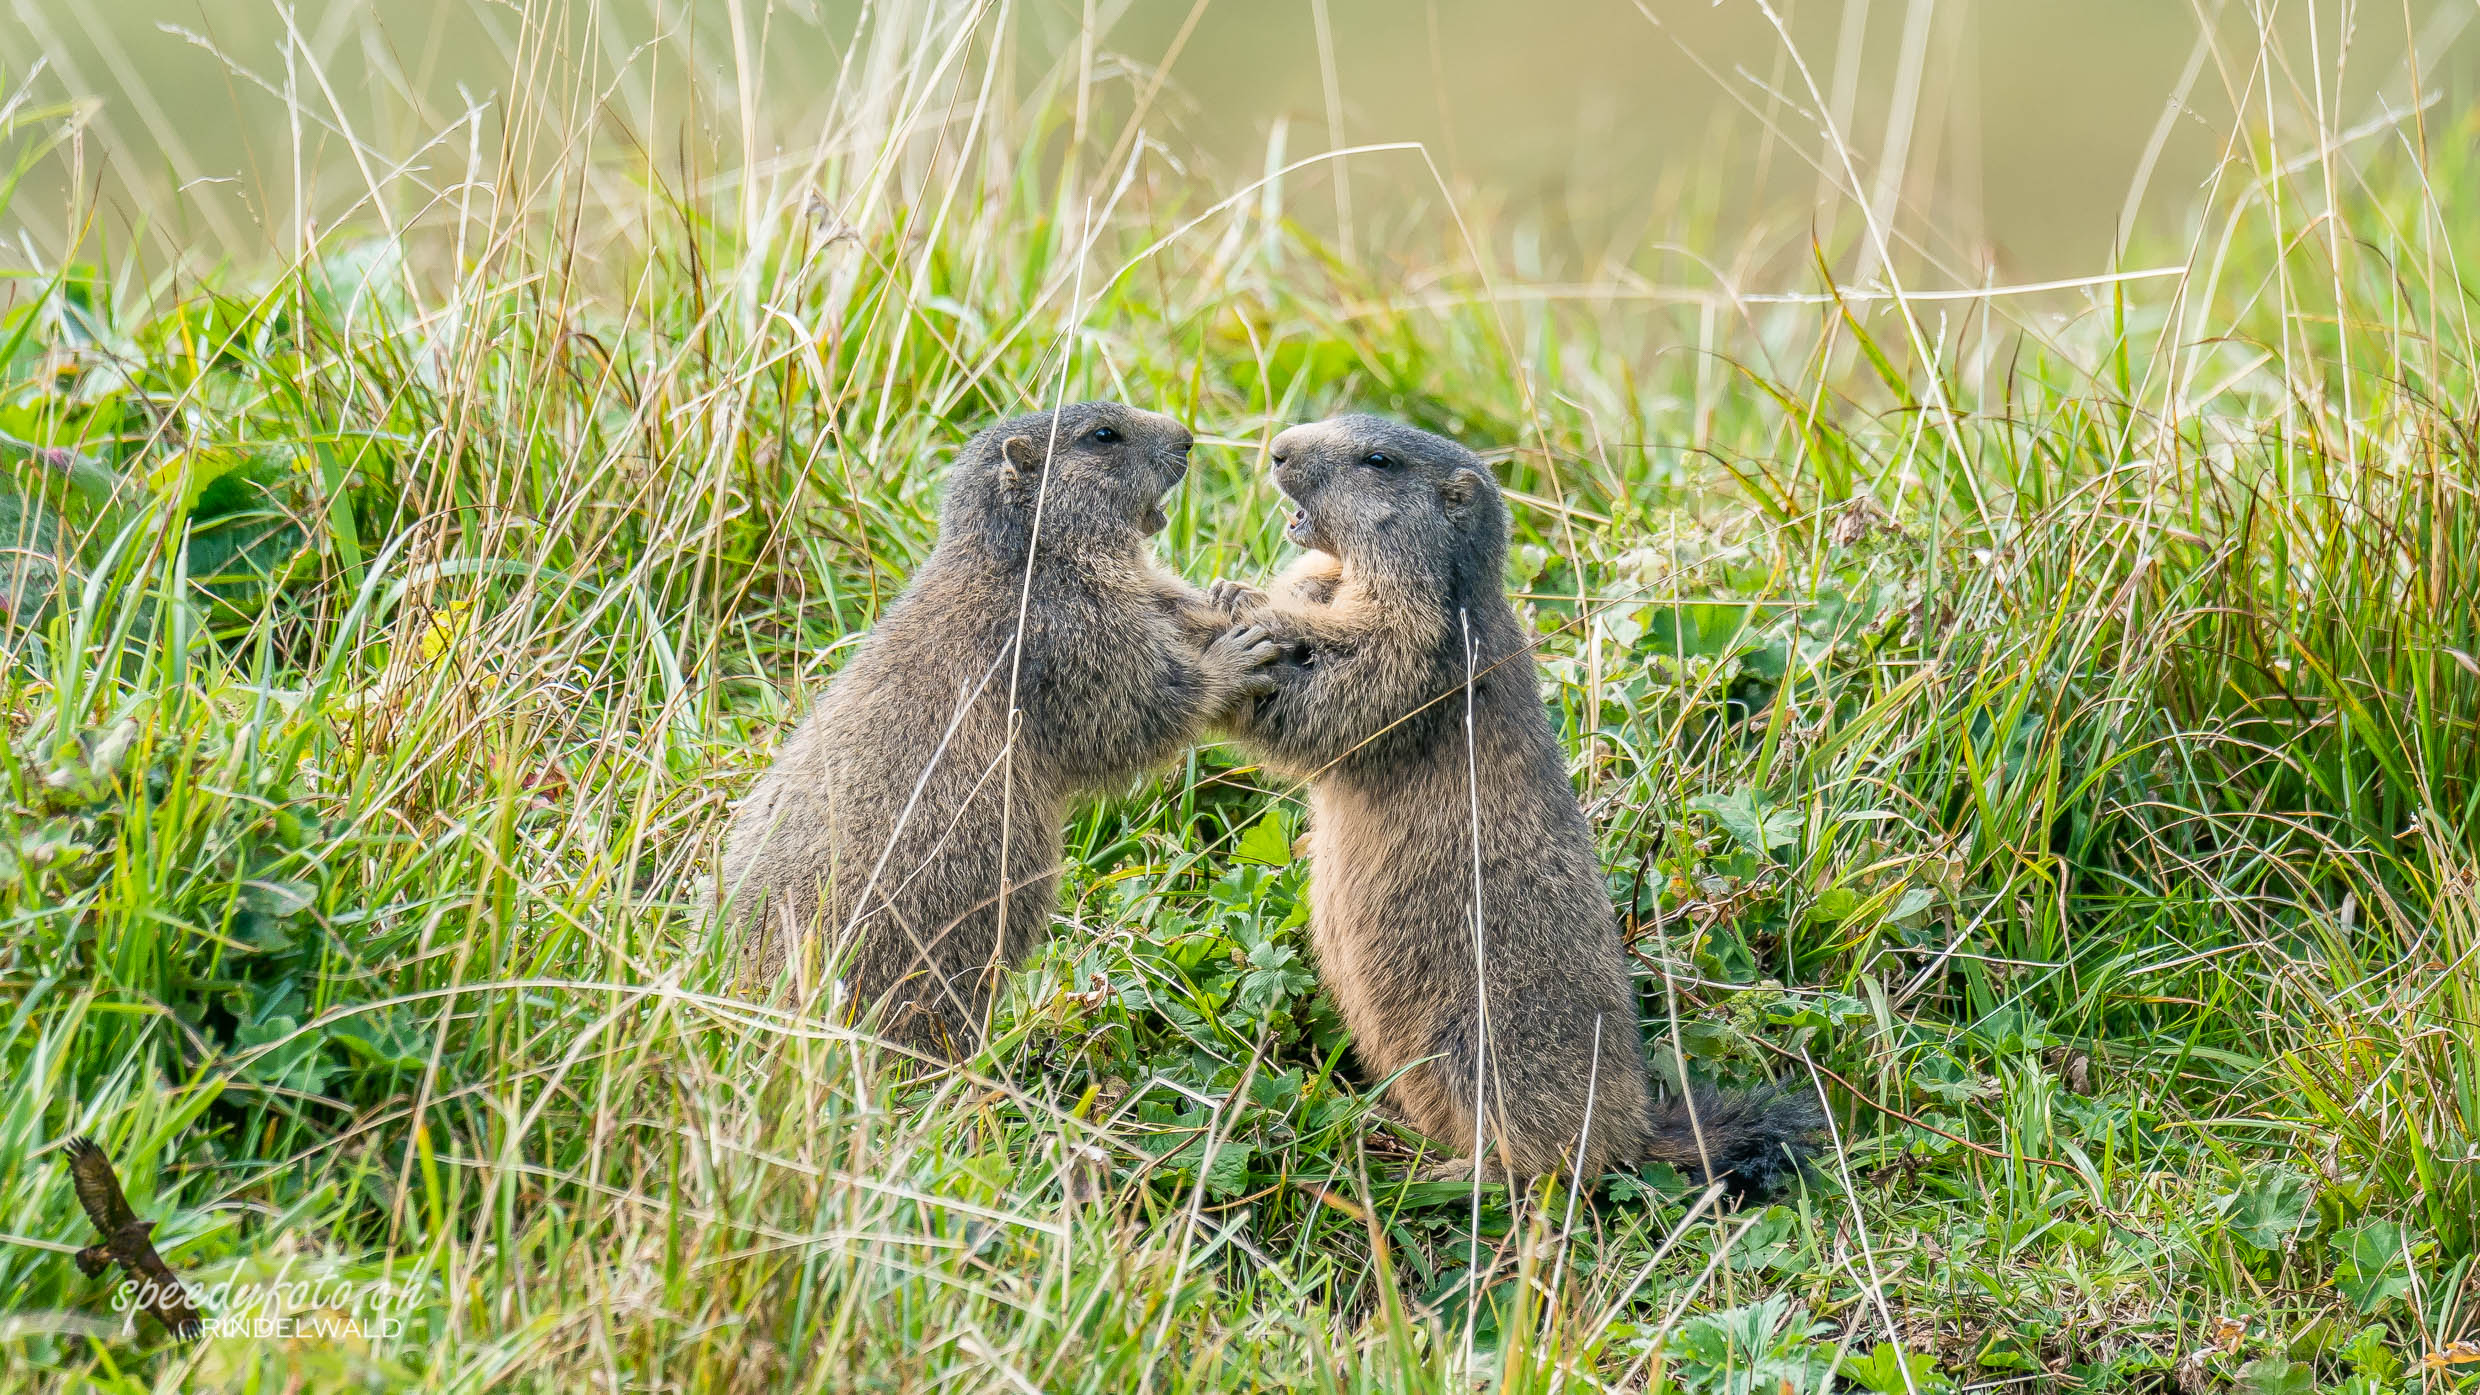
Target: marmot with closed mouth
[897,814]
[1536,1053]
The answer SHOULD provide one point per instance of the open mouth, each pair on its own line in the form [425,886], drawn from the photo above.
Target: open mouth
[1298,528]
[1158,509]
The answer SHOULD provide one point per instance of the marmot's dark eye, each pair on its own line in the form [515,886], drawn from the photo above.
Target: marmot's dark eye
[1102,435]
[1380,459]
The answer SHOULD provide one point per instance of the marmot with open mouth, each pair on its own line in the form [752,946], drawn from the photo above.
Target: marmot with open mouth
[1408,696]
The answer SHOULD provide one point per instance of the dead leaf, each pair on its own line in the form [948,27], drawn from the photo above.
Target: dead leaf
[2452,1354]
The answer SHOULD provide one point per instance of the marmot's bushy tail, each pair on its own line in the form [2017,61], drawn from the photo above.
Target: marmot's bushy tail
[1755,1139]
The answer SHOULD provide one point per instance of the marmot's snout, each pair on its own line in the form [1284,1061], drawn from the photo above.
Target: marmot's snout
[1294,446]
[1173,457]
[1171,442]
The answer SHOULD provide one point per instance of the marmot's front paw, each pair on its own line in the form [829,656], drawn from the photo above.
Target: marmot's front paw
[1232,597]
[1243,657]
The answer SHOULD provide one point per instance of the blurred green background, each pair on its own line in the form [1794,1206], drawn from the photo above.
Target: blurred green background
[2024,139]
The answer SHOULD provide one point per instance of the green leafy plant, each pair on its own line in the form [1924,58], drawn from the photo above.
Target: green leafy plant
[1758,1349]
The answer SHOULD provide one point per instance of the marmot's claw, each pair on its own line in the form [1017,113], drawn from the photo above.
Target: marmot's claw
[1251,645]
[1232,596]
[1245,654]
[1258,648]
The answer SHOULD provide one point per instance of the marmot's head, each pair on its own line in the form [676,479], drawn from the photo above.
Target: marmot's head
[1378,492]
[1099,470]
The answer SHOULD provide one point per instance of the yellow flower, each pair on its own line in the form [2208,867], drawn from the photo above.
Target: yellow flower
[445,627]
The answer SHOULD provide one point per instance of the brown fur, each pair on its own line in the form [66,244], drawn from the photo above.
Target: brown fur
[1401,597]
[902,781]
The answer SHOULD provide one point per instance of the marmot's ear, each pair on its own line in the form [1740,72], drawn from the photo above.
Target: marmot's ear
[1458,492]
[1017,459]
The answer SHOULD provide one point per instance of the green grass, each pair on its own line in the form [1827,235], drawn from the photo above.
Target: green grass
[2056,738]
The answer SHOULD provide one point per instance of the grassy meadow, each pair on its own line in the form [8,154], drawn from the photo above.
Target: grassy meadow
[2048,724]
